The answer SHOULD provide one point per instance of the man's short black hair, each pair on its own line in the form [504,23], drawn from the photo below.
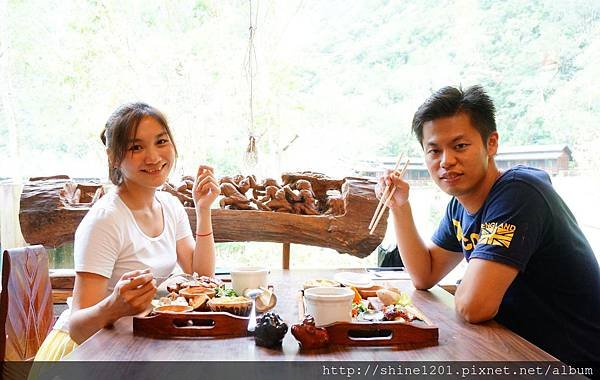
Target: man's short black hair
[449,101]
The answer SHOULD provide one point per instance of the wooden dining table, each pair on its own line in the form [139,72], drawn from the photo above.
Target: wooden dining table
[458,339]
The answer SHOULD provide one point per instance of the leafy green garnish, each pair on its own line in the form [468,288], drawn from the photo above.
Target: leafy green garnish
[360,306]
[226,292]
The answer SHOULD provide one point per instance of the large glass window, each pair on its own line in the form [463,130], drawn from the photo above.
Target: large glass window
[334,83]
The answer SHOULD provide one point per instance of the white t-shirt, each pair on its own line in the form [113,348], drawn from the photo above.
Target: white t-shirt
[109,242]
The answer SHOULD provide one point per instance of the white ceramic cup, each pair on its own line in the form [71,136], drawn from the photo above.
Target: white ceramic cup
[329,304]
[248,278]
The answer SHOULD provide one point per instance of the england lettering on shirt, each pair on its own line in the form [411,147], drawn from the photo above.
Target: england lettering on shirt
[492,233]
[497,234]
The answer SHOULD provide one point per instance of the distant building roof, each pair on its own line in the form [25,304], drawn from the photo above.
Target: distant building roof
[529,156]
[509,153]
[534,148]
[533,152]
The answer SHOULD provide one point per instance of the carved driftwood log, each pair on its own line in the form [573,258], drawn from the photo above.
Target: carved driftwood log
[347,233]
[50,215]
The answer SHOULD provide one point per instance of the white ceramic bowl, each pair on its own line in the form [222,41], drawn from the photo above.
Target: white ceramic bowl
[329,304]
[248,278]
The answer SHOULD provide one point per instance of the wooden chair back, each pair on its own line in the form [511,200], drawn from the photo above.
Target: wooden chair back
[26,308]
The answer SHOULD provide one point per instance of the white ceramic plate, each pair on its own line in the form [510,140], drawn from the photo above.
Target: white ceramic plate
[357,280]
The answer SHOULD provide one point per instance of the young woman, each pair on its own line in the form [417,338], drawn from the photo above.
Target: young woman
[134,233]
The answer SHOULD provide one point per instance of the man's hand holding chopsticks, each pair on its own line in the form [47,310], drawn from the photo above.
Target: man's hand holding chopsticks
[390,180]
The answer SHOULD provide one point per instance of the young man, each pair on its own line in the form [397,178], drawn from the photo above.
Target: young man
[529,265]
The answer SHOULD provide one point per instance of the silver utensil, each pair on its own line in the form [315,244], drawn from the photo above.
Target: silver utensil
[252,294]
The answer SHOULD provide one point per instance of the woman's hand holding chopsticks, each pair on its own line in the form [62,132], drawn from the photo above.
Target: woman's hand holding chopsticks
[132,293]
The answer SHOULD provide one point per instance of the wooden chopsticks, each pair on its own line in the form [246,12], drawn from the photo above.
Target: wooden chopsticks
[386,197]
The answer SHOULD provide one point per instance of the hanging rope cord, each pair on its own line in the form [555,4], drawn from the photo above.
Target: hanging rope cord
[250,66]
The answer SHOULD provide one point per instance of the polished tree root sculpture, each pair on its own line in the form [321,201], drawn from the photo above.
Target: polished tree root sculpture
[305,208]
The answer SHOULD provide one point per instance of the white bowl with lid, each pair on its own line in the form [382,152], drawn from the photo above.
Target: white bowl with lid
[329,304]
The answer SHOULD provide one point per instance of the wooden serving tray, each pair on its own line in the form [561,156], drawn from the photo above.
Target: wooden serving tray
[389,333]
[191,324]
[407,335]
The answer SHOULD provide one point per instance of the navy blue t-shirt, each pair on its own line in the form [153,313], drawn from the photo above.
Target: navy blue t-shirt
[554,302]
